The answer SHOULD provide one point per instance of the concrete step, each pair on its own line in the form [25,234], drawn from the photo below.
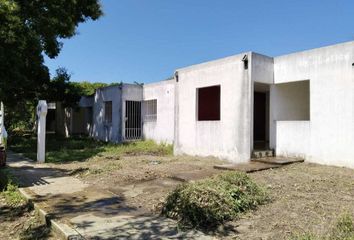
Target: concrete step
[247,167]
[278,160]
[262,153]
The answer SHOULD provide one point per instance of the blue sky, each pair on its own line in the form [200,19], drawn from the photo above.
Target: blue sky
[146,40]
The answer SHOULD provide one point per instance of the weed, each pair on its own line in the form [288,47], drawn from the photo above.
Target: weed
[9,188]
[12,196]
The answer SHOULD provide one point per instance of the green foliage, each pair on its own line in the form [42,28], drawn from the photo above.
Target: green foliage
[59,89]
[9,189]
[86,88]
[68,93]
[209,202]
[12,196]
[27,30]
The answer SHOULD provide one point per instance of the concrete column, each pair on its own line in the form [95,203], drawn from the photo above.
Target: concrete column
[42,110]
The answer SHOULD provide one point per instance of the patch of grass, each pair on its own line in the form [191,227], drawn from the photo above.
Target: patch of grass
[210,202]
[61,150]
[304,236]
[17,214]
[9,189]
[58,149]
[343,230]
[12,196]
[147,147]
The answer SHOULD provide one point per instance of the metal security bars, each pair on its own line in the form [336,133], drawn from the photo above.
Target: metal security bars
[132,120]
[150,110]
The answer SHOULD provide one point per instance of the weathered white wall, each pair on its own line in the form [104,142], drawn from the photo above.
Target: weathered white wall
[161,130]
[288,102]
[262,68]
[107,131]
[293,138]
[330,72]
[228,138]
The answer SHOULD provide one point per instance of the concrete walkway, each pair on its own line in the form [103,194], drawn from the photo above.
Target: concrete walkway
[78,211]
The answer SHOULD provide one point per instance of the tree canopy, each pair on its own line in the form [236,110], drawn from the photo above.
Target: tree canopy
[69,93]
[29,29]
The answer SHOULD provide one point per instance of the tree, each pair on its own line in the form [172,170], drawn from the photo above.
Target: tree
[29,29]
[60,89]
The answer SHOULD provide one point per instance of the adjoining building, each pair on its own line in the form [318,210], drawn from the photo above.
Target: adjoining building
[128,112]
[300,105]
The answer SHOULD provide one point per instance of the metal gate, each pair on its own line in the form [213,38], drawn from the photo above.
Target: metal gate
[132,120]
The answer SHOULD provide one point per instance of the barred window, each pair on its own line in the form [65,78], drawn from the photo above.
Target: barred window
[108,112]
[150,110]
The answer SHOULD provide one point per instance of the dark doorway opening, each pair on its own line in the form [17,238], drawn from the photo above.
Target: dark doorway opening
[260,138]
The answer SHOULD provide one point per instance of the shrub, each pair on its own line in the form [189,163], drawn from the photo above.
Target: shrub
[210,202]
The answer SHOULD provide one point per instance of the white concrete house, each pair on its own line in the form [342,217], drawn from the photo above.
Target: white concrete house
[300,105]
[128,112]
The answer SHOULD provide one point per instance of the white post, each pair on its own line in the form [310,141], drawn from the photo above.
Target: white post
[42,110]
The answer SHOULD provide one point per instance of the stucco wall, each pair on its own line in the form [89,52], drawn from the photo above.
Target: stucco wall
[288,102]
[330,72]
[293,138]
[228,138]
[102,130]
[262,68]
[161,130]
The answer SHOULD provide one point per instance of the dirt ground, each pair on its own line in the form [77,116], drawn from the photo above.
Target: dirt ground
[305,197]
[21,223]
[143,181]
